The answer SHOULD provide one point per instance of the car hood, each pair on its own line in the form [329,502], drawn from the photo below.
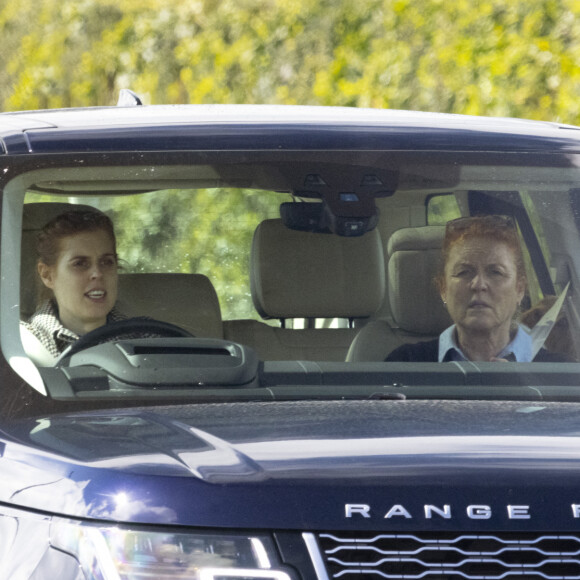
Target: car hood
[304,465]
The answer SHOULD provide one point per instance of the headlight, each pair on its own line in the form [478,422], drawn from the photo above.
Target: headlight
[118,553]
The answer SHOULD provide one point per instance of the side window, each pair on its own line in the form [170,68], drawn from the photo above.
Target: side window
[205,231]
[441,208]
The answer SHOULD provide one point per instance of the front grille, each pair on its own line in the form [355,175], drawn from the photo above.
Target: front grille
[442,556]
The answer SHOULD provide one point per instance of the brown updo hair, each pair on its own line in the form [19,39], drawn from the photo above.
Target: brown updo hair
[498,228]
[68,224]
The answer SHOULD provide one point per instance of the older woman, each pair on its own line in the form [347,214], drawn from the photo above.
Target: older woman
[482,283]
[77,264]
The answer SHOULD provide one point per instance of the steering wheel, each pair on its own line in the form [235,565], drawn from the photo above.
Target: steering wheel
[119,328]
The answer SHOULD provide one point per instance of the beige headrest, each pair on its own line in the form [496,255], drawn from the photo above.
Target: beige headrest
[187,300]
[306,275]
[414,255]
[34,217]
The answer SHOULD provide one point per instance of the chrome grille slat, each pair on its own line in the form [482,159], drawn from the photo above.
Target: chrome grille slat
[455,564]
[454,540]
[456,550]
[453,575]
[442,556]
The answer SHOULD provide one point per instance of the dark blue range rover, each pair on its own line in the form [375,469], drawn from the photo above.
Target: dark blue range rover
[317,367]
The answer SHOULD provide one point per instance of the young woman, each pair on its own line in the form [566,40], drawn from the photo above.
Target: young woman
[77,264]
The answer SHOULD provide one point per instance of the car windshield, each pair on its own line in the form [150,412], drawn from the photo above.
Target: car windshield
[296,274]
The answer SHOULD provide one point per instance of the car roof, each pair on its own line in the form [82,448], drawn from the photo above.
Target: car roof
[256,126]
[290,114]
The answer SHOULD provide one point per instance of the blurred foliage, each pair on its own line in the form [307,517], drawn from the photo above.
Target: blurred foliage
[488,57]
[208,231]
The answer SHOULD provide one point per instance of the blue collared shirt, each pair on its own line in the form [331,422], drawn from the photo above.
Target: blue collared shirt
[519,349]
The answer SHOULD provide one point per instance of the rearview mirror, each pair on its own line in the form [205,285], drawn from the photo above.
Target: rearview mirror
[320,218]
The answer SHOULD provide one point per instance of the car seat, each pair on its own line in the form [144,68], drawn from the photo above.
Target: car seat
[186,300]
[296,274]
[417,311]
